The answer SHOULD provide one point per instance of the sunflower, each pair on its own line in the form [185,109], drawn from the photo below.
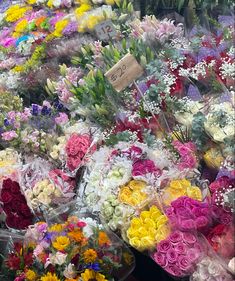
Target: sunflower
[89,275]
[49,277]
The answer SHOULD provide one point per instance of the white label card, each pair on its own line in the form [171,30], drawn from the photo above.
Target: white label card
[105,30]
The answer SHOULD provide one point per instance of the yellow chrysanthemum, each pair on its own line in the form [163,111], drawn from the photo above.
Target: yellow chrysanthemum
[21,26]
[194,192]
[89,255]
[30,275]
[89,274]
[55,228]
[49,277]
[59,27]
[79,12]
[16,12]
[61,242]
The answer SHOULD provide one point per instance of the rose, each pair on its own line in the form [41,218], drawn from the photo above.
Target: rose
[183,212]
[175,237]
[189,238]
[164,246]
[193,254]
[6,197]
[184,264]
[24,210]
[160,259]
[174,270]
[177,203]
[214,269]
[226,218]
[15,188]
[201,222]
[171,255]
[24,223]
[187,224]
[7,184]
[181,248]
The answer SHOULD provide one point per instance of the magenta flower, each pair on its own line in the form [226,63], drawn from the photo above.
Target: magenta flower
[164,246]
[143,167]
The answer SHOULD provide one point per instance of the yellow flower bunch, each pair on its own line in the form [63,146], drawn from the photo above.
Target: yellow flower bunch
[148,229]
[178,188]
[31,2]
[56,228]
[59,27]
[213,158]
[16,12]
[20,28]
[79,12]
[132,193]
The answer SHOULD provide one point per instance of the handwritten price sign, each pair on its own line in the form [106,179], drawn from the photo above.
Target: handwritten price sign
[105,30]
[123,73]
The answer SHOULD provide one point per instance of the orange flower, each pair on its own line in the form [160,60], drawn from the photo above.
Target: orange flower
[39,21]
[103,238]
[90,255]
[76,235]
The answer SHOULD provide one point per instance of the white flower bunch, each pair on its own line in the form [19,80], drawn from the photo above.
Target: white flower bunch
[220,121]
[211,270]
[188,109]
[42,194]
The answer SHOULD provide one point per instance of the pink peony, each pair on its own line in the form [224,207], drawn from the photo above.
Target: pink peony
[10,135]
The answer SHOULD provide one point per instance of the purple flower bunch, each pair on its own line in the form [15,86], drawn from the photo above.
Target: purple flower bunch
[179,253]
[188,214]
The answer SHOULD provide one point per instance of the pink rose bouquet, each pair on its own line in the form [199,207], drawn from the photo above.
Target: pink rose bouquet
[187,152]
[179,253]
[188,214]
[77,148]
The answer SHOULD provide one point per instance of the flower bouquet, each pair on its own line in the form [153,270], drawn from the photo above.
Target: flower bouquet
[77,249]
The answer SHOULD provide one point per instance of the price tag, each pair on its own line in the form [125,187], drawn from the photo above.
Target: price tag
[123,73]
[105,30]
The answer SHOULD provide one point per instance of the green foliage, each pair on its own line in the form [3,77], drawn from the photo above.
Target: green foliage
[199,136]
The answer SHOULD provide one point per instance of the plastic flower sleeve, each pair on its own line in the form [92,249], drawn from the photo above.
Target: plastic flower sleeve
[77,223]
[10,245]
[212,267]
[18,214]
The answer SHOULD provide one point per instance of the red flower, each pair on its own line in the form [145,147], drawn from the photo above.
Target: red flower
[18,247]
[6,197]
[177,88]
[24,210]
[28,259]
[7,184]
[13,262]
[15,187]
